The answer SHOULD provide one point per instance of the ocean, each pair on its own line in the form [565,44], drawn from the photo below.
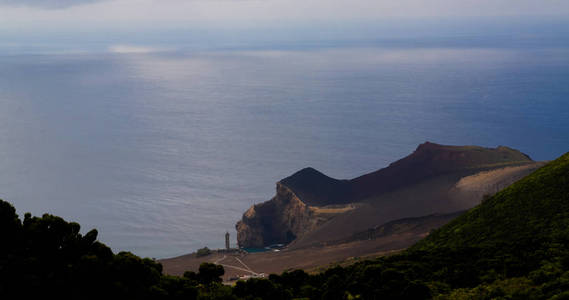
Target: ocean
[162,151]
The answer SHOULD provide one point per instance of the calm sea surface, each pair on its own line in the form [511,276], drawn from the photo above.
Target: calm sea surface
[163,152]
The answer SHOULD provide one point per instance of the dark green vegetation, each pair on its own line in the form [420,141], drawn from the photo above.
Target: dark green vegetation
[203,252]
[515,245]
[48,256]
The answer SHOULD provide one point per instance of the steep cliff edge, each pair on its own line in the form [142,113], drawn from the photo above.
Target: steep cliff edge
[280,220]
[291,213]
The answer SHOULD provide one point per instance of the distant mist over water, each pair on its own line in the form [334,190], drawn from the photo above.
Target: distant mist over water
[162,151]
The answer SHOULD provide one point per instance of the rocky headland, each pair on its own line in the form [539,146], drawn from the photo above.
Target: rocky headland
[311,208]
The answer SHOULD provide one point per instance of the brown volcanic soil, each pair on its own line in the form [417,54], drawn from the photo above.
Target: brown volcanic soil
[438,195]
[391,237]
[430,160]
[472,188]
[415,201]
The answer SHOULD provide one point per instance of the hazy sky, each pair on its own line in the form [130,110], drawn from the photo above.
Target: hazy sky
[146,25]
[30,14]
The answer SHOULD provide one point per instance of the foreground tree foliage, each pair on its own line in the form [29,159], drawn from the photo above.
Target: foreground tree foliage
[515,245]
[48,256]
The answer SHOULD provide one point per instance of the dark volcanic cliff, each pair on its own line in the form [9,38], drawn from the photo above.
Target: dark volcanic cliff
[291,214]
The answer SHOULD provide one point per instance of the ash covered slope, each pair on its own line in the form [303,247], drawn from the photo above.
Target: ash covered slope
[430,160]
[289,215]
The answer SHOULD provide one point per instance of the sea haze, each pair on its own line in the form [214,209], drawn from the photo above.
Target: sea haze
[163,151]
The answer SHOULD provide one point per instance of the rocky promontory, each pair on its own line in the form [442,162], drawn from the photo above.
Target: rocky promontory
[293,213]
[280,220]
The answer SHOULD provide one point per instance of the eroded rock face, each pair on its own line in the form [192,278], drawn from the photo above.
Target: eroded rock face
[280,220]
